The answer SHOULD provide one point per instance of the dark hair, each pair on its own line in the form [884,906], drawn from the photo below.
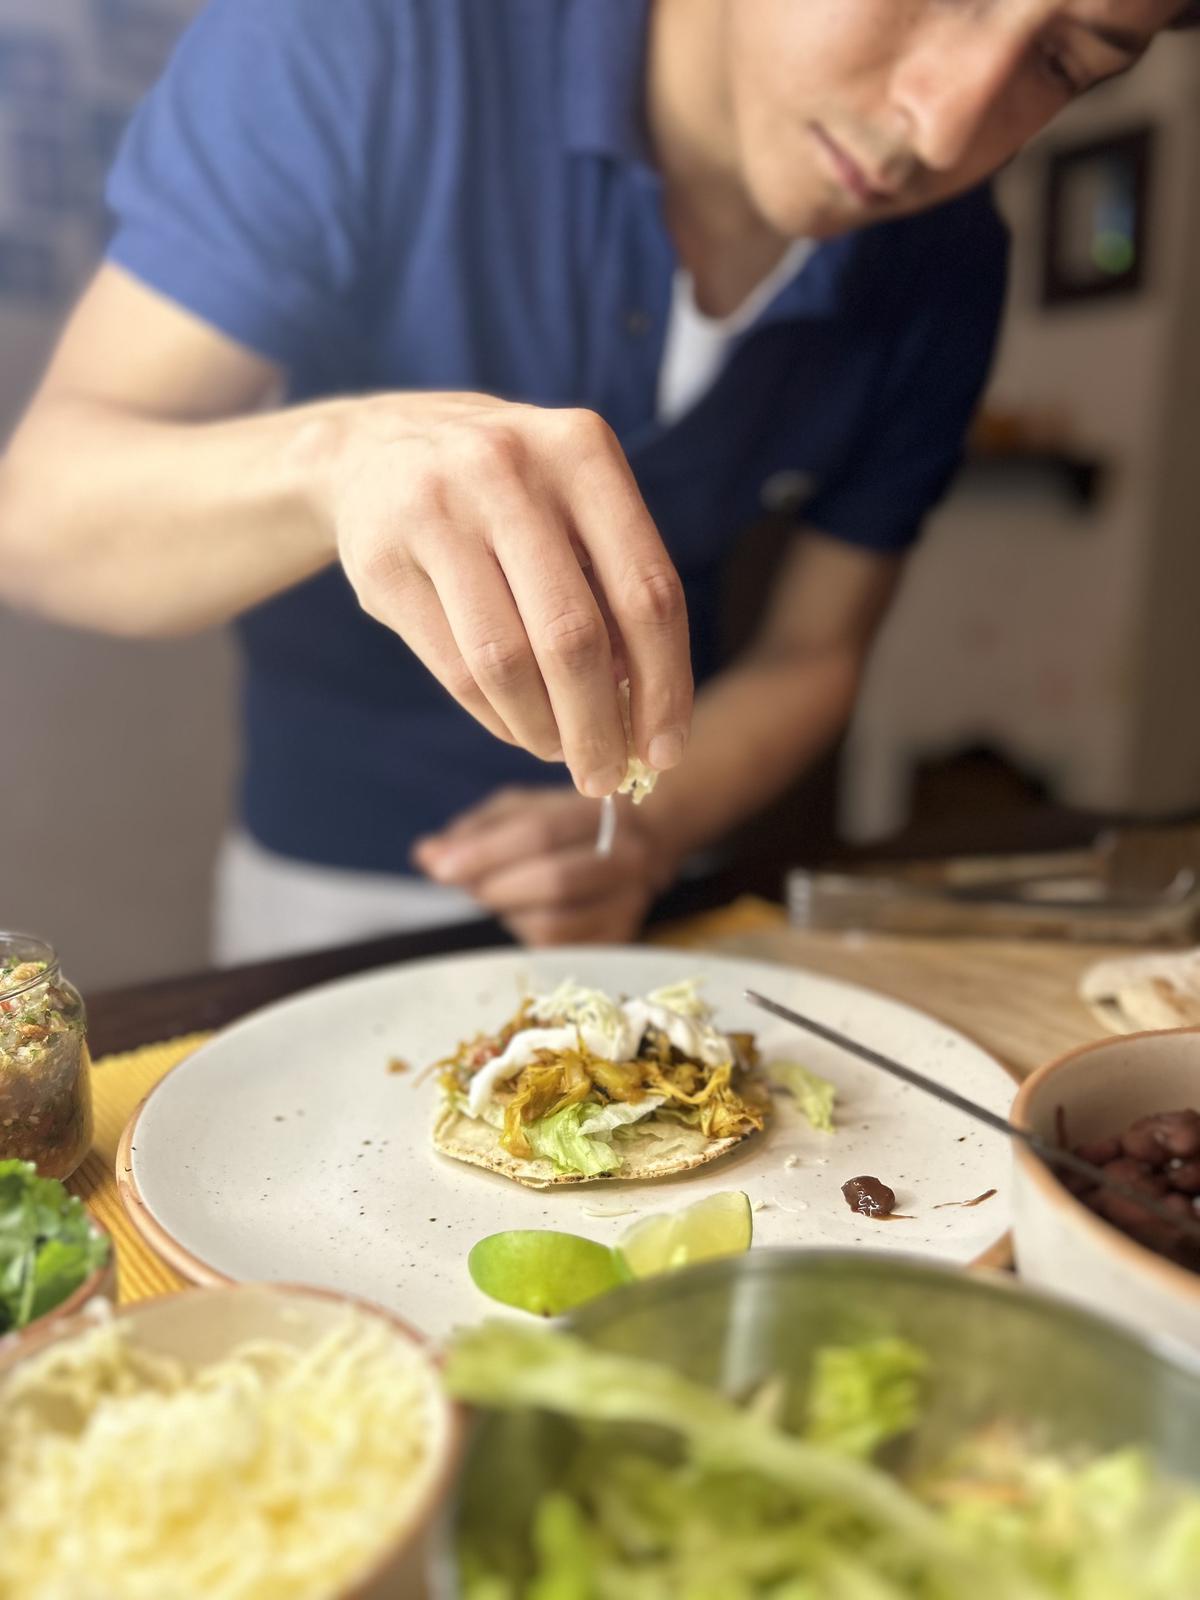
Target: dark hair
[1189,17]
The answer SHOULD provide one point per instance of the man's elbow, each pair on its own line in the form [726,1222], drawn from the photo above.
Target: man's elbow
[26,560]
[43,576]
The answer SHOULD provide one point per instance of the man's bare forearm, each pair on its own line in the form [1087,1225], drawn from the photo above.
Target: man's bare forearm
[144,527]
[771,715]
[131,503]
[756,728]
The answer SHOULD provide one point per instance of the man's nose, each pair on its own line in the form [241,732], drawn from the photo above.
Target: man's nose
[948,85]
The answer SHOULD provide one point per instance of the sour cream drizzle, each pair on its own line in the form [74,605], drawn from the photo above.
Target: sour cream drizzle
[605,1029]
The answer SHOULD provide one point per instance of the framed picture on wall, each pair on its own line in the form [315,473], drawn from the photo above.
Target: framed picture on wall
[1097,201]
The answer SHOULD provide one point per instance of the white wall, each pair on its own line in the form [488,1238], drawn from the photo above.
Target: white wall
[1023,623]
[115,758]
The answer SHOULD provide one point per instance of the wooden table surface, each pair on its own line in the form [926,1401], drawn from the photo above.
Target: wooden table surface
[1017,998]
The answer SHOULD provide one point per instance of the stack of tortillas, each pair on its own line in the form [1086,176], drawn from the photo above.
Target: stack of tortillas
[1134,993]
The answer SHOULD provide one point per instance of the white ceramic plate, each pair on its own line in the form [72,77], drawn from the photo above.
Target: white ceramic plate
[285,1149]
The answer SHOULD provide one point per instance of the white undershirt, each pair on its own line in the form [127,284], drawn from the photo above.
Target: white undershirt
[697,345]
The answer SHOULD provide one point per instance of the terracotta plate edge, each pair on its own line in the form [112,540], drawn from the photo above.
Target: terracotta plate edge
[145,1223]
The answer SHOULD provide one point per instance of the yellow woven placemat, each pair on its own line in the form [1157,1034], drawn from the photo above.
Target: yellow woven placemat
[121,1082]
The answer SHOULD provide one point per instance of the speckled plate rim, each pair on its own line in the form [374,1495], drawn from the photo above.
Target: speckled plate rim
[143,1220]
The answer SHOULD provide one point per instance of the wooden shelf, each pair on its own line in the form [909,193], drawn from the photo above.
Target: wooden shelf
[1078,478]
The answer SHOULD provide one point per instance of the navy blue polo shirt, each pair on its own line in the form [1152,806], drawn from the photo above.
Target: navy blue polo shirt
[456,194]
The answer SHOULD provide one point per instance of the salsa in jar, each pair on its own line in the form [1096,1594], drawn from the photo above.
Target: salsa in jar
[45,1083]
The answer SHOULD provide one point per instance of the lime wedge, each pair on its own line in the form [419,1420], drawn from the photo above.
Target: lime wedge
[719,1225]
[542,1271]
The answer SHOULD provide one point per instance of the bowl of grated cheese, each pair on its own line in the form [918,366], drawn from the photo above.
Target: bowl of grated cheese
[255,1442]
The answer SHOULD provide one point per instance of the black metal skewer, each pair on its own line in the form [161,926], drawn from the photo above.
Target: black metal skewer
[1052,1154]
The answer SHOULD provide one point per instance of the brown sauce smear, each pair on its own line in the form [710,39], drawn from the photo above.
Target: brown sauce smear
[966,1205]
[870,1197]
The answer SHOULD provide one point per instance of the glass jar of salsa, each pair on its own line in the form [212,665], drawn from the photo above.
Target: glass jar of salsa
[45,1083]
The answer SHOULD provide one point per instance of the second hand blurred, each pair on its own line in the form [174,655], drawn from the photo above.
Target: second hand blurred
[607,830]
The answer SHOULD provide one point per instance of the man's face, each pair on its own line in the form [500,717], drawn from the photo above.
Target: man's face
[850,111]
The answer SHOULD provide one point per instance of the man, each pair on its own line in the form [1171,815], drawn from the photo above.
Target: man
[464,335]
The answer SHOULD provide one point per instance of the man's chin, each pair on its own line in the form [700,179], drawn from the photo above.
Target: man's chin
[820,219]
[815,209]
[825,210]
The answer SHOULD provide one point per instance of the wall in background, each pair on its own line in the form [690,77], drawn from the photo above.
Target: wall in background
[117,757]
[1066,640]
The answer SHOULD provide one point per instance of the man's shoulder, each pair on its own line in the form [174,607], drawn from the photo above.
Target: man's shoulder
[456,23]
[306,19]
[355,65]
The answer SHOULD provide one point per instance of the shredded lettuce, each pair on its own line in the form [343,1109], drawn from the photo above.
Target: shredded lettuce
[510,1367]
[683,998]
[560,1138]
[669,1489]
[864,1395]
[814,1096]
[572,1002]
[492,1113]
[576,1138]
[600,1120]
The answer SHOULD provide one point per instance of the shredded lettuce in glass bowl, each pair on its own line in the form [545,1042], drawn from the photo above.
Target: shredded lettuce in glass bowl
[825,1426]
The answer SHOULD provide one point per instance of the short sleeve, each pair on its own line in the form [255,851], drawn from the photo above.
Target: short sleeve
[944,330]
[242,189]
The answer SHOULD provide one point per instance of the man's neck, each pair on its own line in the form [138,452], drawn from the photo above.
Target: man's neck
[720,236]
[689,113]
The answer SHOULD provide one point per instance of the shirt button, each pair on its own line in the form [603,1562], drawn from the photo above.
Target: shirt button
[787,492]
[637,323]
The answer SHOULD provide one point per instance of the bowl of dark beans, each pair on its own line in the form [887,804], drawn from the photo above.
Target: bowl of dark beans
[1130,1106]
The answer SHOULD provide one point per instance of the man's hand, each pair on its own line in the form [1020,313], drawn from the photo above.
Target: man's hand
[508,545]
[529,856]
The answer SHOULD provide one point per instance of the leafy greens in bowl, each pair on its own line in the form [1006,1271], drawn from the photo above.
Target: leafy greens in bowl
[51,1251]
[808,1425]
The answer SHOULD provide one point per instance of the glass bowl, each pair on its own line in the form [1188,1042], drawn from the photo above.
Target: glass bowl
[997,1352]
